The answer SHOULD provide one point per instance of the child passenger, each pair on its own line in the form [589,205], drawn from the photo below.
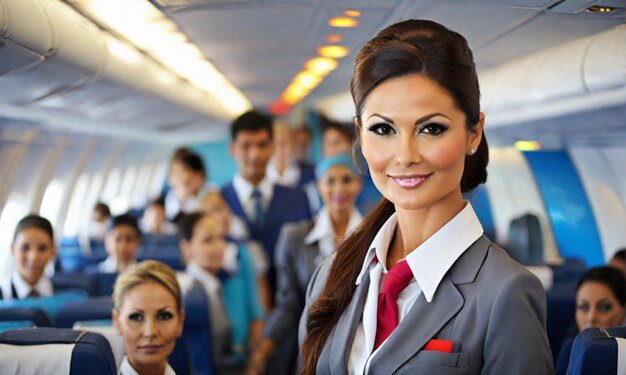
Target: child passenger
[203,244]
[121,243]
[186,179]
[32,248]
[148,314]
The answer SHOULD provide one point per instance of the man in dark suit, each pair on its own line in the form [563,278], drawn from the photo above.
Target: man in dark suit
[261,204]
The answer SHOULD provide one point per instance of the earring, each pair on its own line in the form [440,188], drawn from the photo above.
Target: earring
[472,151]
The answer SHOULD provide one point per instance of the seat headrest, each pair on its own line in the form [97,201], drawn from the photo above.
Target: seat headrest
[55,351]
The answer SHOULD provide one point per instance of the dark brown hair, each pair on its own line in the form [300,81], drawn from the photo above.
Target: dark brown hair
[408,47]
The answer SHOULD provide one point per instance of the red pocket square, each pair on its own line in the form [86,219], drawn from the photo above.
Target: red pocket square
[439,345]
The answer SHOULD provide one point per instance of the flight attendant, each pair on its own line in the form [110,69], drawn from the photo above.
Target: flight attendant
[418,288]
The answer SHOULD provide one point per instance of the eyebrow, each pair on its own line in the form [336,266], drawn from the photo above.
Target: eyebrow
[418,121]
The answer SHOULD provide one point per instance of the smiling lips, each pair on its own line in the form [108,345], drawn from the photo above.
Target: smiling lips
[409,182]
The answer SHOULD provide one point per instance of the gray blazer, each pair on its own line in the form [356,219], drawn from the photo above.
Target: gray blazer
[295,263]
[490,307]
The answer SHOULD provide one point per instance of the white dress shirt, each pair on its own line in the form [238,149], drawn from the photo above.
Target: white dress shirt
[429,263]
[244,190]
[23,288]
[127,369]
[109,265]
[290,176]
[324,233]
[192,204]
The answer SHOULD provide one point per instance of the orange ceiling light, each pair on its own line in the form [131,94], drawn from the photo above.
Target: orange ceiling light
[334,38]
[352,13]
[333,52]
[321,65]
[307,79]
[343,22]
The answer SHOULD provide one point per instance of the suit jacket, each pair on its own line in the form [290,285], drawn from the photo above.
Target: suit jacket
[490,307]
[295,264]
[287,205]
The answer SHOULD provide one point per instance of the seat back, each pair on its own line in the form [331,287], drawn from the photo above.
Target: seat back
[34,315]
[55,351]
[75,280]
[95,308]
[598,351]
[526,240]
[49,305]
[197,330]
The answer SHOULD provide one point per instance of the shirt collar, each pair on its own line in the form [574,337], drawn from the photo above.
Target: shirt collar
[23,288]
[127,369]
[244,188]
[431,260]
[290,177]
[208,279]
[324,228]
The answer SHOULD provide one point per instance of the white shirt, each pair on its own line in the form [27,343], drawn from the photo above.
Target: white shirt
[290,177]
[429,263]
[244,190]
[173,206]
[109,265]
[324,233]
[23,288]
[127,369]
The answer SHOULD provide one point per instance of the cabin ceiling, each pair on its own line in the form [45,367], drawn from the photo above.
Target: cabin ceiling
[261,45]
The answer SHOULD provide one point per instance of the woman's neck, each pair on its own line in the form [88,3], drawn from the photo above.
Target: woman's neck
[339,221]
[416,226]
[151,369]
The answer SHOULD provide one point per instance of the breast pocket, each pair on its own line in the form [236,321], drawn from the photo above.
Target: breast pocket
[435,363]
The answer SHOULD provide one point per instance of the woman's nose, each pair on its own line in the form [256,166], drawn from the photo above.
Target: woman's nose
[407,151]
[149,328]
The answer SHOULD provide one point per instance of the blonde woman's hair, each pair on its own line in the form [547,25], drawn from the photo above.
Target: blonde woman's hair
[145,272]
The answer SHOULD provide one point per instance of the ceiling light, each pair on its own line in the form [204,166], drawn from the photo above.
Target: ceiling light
[600,9]
[307,79]
[342,22]
[321,65]
[123,51]
[334,52]
[334,38]
[352,13]
[527,145]
[143,25]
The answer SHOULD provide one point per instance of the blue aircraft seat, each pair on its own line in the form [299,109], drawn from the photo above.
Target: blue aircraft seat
[55,351]
[31,314]
[561,310]
[172,259]
[598,351]
[197,329]
[75,280]
[49,305]
[7,326]
[94,308]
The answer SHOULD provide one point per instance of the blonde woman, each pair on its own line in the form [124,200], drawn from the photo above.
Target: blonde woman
[148,315]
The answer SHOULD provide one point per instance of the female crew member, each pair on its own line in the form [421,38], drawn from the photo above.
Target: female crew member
[417,288]
[148,314]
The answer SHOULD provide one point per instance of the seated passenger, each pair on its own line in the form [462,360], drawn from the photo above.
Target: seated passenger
[121,243]
[99,222]
[300,249]
[215,205]
[234,291]
[32,248]
[283,167]
[600,303]
[618,261]
[148,314]
[186,178]
[153,221]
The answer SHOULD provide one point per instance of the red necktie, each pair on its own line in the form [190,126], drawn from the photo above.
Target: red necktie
[394,282]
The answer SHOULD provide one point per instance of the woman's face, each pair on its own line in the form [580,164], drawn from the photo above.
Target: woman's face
[32,250]
[149,323]
[334,142]
[596,306]
[415,141]
[207,245]
[339,187]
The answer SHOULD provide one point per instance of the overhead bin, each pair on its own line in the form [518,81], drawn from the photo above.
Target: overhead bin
[52,51]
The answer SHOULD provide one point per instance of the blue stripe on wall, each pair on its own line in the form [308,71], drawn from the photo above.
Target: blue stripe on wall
[482,206]
[573,224]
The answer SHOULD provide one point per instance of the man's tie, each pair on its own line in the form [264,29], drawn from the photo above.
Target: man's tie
[33,294]
[394,282]
[258,207]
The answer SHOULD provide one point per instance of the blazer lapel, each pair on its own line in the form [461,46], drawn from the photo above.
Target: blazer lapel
[346,329]
[421,323]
